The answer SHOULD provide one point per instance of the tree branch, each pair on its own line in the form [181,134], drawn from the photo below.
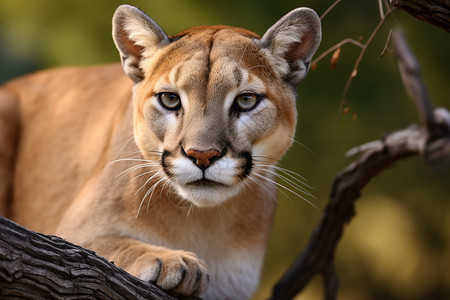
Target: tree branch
[358,61]
[435,12]
[375,157]
[410,73]
[363,47]
[38,266]
[318,256]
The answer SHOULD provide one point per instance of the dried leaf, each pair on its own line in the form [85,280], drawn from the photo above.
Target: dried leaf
[345,110]
[335,58]
[349,109]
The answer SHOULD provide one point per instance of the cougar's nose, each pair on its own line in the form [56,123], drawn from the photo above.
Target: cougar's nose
[202,159]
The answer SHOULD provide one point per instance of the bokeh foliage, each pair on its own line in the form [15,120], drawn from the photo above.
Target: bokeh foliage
[398,246]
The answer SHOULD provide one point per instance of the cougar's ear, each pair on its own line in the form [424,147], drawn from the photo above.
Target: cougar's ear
[136,37]
[291,43]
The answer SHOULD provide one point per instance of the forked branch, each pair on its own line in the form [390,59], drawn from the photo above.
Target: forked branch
[354,72]
[318,257]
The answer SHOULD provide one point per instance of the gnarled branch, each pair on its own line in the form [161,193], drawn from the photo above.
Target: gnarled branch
[435,12]
[38,266]
[433,144]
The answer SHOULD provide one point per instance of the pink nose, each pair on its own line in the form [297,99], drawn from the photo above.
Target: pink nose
[202,158]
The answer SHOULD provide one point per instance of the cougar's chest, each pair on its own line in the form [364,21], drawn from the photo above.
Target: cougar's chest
[233,265]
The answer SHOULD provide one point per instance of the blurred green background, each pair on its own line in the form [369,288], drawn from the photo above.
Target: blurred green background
[398,245]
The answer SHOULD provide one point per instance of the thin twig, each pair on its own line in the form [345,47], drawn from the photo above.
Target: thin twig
[329,9]
[336,46]
[386,46]
[380,7]
[388,6]
[363,47]
[357,62]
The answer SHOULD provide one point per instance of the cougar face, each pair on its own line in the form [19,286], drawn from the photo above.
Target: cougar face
[213,115]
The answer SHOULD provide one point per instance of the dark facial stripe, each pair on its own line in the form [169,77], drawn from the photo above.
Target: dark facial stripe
[164,164]
[247,156]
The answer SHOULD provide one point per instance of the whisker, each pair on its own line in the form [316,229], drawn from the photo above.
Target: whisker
[279,190]
[130,159]
[292,183]
[148,180]
[261,185]
[257,66]
[286,188]
[165,185]
[242,56]
[126,143]
[153,188]
[264,159]
[145,173]
[288,173]
[293,174]
[150,190]
[134,168]
[149,153]
[242,184]
[305,147]
[191,207]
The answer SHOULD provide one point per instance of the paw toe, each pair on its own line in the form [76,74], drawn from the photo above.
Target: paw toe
[153,270]
[177,272]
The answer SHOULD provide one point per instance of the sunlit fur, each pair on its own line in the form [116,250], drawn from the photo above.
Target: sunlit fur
[92,156]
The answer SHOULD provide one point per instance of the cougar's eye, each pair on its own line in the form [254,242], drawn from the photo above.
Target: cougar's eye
[169,101]
[246,101]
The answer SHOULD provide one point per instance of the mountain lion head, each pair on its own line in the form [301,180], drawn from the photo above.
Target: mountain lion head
[214,105]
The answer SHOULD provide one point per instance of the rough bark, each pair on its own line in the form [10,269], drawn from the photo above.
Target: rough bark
[435,12]
[318,256]
[36,266]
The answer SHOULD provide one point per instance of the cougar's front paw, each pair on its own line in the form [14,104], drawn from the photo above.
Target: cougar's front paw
[177,272]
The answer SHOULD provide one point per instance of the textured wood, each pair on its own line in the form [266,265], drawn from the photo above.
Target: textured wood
[435,12]
[37,266]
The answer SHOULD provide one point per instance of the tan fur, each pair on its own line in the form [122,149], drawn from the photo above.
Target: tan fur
[89,155]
